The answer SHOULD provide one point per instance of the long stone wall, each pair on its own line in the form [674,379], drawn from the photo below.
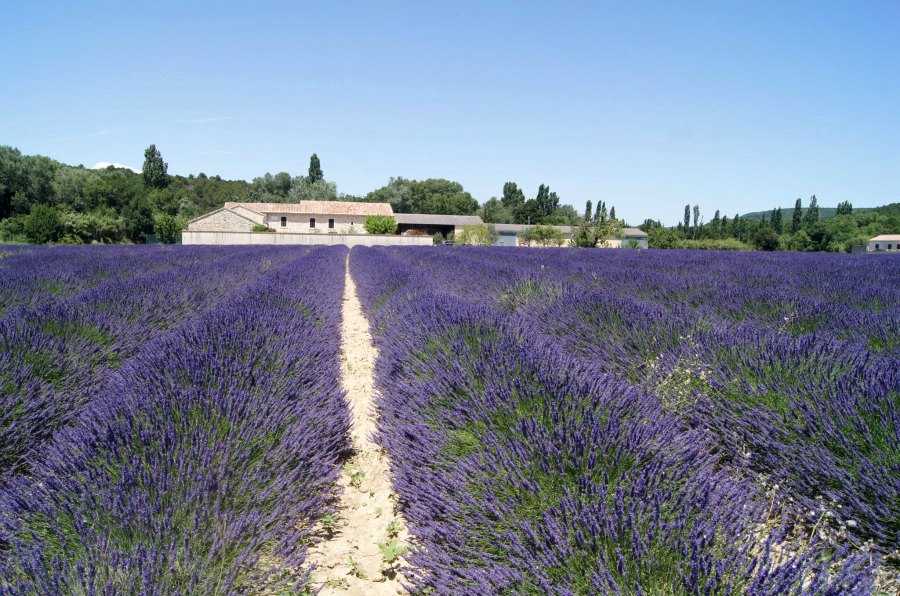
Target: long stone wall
[286,238]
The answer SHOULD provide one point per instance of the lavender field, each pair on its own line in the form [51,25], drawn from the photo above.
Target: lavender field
[556,421]
[640,423]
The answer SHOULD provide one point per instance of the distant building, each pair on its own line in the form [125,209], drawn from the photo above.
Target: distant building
[508,235]
[429,225]
[885,243]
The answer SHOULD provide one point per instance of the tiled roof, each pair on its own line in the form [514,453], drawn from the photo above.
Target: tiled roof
[318,208]
[886,238]
[427,219]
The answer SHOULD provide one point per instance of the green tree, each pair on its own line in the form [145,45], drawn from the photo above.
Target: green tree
[812,213]
[777,223]
[844,208]
[476,235]
[660,237]
[315,169]
[138,220]
[512,196]
[493,211]
[168,229]
[588,211]
[155,169]
[612,213]
[547,201]
[43,225]
[543,235]
[380,224]
[687,217]
[797,218]
[766,239]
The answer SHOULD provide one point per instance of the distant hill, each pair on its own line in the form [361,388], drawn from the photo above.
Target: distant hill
[824,212]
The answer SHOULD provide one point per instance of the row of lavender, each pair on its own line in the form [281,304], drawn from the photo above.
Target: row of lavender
[814,413]
[203,460]
[524,470]
[55,355]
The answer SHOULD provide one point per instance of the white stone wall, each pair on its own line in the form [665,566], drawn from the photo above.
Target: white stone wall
[299,223]
[883,246]
[221,221]
[229,238]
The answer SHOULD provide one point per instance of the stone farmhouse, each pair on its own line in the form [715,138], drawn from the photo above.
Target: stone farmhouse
[305,217]
[885,243]
[341,222]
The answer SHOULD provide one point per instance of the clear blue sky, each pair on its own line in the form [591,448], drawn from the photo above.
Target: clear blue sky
[648,106]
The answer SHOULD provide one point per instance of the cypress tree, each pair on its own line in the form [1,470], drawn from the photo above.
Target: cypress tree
[612,213]
[687,217]
[587,211]
[797,219]
[315,169]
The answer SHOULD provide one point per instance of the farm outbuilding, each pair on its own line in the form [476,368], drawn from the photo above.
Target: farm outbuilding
[428,225]
[885,243]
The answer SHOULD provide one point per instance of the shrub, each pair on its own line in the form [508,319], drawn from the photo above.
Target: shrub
[714,244]
[43,225]
[261,228]
[380,224]
[766,239]
[543,235]
[477,235]
[168,229]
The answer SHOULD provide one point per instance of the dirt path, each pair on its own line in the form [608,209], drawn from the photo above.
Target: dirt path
[349,560]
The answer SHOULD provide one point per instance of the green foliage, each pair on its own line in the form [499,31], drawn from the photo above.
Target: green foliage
[43,225]
[663,238]
[513,196]
[168,229]
[434,195]
[99,226]
[261,228]
[766,239]
[304,189]
[477,235]
[391,551]
[844,208]
[495,211]
[714,244]
[811,217]
[380,224]
[797,218]
[154,171]
[138,220]
[543,235]
[315,169]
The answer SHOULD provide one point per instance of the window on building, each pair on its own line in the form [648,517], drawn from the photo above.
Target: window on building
[889,247]
[283,222]
[312,222]
[330,224]
[877,247]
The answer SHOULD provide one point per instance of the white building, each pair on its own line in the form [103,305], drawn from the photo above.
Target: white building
[305,217]
[885,243]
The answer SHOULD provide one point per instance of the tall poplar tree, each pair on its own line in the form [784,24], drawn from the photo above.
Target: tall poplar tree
[315,169]
[797,218]
[155,169]
[812,213]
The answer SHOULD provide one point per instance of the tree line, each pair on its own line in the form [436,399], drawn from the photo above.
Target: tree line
[801,229]
[43,200]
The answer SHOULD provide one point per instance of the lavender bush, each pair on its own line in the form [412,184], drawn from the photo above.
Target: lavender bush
[204,462]
[523,470]
[55,356]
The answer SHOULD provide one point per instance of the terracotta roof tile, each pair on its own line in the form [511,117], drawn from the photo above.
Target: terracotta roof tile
[318,208]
